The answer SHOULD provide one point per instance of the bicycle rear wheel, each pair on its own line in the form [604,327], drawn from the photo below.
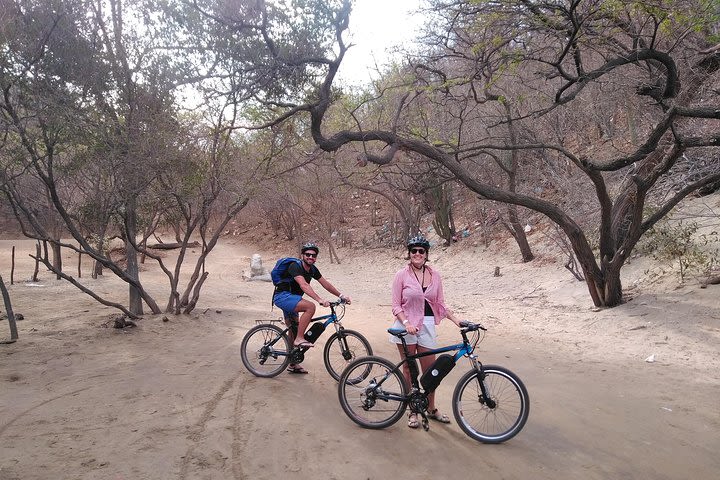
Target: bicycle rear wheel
[497,418]
[341,349]
[264,350]
[372,392]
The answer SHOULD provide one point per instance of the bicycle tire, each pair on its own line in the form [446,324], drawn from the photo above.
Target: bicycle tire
[260,359]
[477,419]
[365,401]
[334,352]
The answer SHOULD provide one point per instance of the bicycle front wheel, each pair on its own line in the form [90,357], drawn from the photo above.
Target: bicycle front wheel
[342,348]
[499,416]
[265,350]
[372,392]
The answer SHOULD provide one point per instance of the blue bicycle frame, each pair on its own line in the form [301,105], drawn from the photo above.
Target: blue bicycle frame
[462,349]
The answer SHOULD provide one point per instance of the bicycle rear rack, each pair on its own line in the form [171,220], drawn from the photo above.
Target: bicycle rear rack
[272,322]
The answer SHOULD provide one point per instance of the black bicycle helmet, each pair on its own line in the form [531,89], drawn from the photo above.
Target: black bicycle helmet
[309,246]
[418,241]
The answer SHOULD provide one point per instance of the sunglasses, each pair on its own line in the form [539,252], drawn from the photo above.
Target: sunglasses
[418,250]
[313,255]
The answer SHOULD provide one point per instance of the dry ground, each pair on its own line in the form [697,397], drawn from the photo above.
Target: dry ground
[171,399]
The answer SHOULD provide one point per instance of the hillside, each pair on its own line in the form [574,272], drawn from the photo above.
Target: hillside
[488,235]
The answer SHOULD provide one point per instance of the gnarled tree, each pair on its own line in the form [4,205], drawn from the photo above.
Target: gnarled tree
[556,61]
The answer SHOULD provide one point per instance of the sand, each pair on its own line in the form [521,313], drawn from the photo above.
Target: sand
[631,392]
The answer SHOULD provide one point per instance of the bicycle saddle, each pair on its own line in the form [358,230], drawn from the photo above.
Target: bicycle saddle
[398,332]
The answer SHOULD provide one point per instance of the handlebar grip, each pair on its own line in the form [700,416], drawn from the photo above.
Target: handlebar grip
[471,327]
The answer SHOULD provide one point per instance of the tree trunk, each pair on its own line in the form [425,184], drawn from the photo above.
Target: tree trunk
[511,170]
[605,286]
[135,299]
[518,231]
[613,295]
[102,246]
[37,262]
[57,258]
[333,253]
[195,294]
[9,310]
[97,269]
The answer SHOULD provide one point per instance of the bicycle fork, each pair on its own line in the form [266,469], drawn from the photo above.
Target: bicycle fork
[344,347]
[483,396]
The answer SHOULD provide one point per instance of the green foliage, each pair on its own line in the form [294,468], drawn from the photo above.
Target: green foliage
[680,242]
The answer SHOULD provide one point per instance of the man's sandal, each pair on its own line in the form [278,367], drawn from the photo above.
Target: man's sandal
[437,416]
[297,369]
[413,420]
[304,345]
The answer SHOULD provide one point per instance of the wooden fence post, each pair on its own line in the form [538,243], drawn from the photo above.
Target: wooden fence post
[9,310]
[12,266]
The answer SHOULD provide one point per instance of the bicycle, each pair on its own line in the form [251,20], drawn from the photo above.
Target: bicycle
[266,352]
[490,403]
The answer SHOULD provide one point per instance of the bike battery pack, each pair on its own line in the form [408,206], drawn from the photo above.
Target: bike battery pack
[313,333]
[437,371]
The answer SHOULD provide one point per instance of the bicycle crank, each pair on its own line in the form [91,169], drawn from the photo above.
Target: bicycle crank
[297,356]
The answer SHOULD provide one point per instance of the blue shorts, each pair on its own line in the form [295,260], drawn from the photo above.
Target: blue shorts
[287,302]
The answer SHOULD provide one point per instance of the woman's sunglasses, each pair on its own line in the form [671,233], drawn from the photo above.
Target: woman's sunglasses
[418,250]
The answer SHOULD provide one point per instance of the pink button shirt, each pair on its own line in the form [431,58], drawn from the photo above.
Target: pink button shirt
[408,296]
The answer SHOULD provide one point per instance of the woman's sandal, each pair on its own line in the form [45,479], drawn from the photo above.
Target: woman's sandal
[437,416]
[413,421]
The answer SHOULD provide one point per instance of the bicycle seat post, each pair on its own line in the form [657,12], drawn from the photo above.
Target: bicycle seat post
[404,345]
[412,363]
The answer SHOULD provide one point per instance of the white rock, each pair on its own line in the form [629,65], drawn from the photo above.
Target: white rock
[256,266]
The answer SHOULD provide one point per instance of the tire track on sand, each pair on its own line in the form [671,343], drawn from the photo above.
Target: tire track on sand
[20,415]
[200,427]
[240,435]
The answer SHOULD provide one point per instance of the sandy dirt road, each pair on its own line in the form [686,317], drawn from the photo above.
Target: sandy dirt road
[171,399]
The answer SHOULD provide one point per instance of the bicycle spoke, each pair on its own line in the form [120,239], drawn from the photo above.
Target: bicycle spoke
[363,392]
[264,350]
[498,417]
[337,357]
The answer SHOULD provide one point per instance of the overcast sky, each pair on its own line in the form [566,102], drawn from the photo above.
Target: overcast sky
[375,27]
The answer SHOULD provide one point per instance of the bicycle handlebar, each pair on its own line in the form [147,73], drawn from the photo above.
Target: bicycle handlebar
[339,301]
[471,327]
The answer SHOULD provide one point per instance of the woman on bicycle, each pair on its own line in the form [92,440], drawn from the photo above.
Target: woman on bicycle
[289,296]
[418,304]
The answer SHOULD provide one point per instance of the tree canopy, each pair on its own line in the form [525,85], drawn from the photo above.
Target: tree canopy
[117,117]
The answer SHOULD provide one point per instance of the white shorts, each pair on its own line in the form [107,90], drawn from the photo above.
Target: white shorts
[426,337]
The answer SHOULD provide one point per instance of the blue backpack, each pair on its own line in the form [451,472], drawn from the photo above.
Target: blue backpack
[278,272]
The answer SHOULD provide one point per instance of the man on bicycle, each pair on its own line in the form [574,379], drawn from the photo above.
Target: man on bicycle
[288,296]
